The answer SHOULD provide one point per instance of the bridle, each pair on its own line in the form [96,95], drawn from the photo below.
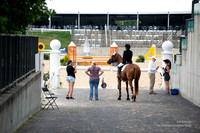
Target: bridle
[111,60]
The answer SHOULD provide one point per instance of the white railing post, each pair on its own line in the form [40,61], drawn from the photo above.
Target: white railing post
[54,62]
[166,54]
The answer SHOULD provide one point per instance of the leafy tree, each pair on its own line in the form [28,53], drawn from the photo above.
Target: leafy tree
[16,15]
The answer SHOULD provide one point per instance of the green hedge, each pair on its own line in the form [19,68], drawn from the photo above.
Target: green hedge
[46,56]
[140,58]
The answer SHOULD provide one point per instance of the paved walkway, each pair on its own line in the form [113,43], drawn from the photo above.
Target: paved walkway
[150,113]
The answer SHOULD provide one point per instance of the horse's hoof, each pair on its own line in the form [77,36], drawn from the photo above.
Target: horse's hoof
[119,98]
[133,98]
[127,98]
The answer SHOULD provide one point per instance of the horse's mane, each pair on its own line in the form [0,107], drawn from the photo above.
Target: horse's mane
[119,55]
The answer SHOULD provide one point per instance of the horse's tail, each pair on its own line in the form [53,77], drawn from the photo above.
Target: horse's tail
[136,81]
[136,86]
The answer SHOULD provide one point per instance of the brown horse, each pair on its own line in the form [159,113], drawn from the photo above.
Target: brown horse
[131,71]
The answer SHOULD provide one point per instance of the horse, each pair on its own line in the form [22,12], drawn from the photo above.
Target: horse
[130,72]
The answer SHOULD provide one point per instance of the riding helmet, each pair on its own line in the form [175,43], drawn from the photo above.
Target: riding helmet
[128,46]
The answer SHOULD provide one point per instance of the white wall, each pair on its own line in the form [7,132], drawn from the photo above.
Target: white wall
[187,77]
[20,103]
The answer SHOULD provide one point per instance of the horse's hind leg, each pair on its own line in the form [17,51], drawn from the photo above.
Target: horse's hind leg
[127,91]
[133,97]
[119,87]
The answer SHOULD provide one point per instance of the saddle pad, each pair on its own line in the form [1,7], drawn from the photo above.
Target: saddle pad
[124,67]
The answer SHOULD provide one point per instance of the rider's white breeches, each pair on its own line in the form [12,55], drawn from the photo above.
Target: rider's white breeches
[120,65]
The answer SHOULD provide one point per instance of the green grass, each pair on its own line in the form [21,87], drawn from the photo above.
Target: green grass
[46,37]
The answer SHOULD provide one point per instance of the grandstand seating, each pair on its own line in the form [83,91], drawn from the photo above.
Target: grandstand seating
[121,37]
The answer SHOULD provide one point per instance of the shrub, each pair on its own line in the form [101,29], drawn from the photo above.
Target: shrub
[61,84]
[45,77]
[64,60]
[140,58]
[46,56]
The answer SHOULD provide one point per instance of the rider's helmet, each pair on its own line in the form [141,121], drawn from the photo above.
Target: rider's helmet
[128,46]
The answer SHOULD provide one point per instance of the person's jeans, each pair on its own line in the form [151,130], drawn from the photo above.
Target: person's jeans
[94,83]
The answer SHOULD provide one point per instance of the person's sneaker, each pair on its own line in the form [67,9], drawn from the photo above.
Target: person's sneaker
[71,98]
[67,97]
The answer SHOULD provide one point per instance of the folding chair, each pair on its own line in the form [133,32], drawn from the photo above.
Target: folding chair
[51,100]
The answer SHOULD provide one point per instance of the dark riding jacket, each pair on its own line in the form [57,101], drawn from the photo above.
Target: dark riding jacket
[127,57]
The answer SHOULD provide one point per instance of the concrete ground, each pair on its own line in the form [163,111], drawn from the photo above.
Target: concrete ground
[150,113]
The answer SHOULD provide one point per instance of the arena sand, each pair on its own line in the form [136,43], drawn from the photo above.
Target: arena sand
[110,77]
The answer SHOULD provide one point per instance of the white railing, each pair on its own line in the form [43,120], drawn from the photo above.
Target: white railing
[57,73]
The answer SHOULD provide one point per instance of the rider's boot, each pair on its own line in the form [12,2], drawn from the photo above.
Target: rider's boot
[119,72]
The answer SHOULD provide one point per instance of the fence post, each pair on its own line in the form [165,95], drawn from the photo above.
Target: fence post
[54,62]
[166,54]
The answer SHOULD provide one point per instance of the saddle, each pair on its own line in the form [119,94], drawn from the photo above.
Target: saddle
[123,67]
[120,70]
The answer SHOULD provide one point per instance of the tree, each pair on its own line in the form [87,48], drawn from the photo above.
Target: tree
[16,15]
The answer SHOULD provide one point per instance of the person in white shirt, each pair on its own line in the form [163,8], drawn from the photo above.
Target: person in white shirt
[152,69]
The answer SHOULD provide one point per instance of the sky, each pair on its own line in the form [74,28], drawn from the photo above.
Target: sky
[119,6]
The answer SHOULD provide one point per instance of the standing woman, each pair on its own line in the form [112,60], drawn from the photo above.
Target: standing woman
[166,73]
[70,78]
[94,74]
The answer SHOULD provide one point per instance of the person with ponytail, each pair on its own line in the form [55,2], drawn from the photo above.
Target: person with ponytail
[166,74]
[93,73]
[70,78]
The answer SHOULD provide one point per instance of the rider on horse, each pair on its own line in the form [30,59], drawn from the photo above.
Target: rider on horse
[127,59]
